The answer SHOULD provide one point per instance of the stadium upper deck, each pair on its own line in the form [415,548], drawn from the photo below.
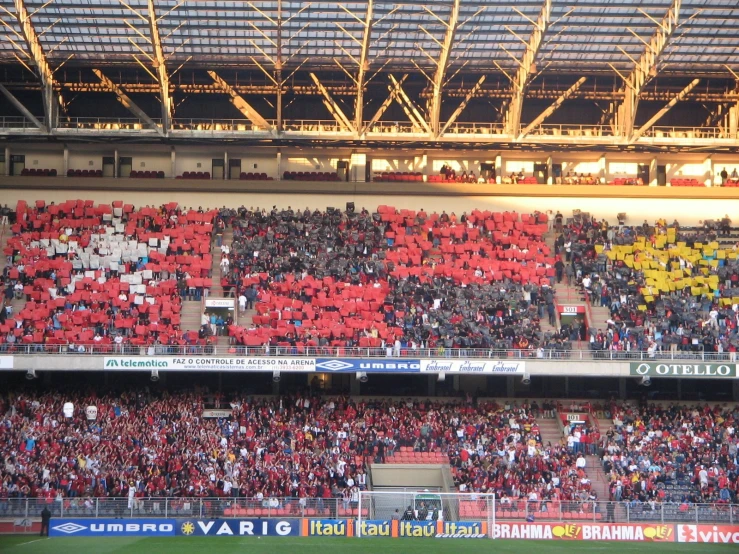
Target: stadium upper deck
[621,74]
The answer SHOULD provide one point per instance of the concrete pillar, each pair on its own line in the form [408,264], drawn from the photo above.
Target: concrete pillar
[354,386]
[652,172]
[116,160]
[734,121]
[679,389]
[498,169]
[550,177]
[432,385]
[278,177]
[425,169]
[622,388]
[736,390]
[455,383]
[226,169]
[275,387]
[567,387]
[510,387]
[709,172]
[7,161]
[172,163]
[65,167]
[603,170]
[46,378]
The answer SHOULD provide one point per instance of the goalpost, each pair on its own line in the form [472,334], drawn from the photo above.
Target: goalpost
[440,514]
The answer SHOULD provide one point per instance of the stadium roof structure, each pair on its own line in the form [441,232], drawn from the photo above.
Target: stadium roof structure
[617,52]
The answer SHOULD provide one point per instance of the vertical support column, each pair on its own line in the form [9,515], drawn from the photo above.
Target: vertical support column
[116,161]
[275,388]
[708,171]
[65,167]
[498,169]
[7,161]
[510,387]
[278,177]
[603,170]
[735,387]
[567,387]
[622,388]
[354,385]
[652,172]
[679,389]
[425,166]
[550,177]
[432,385]
[455,383]
[226,169]
[734,121]
[172,163]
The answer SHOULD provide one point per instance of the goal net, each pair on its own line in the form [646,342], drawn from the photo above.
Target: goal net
[423,513]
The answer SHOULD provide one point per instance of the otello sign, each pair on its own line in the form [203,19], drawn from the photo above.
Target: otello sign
[677,369]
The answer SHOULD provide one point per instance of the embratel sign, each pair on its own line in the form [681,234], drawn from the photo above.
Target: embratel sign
[677,369]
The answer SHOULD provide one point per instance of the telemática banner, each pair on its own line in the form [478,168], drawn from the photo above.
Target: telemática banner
[204,363]
[670,368]
[6,362]
[369,365]
[87,527]
[442,365]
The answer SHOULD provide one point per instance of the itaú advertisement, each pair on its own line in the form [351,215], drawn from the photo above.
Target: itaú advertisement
[71,527]
[585,531]
[436,529]
[238,527]
[715,534]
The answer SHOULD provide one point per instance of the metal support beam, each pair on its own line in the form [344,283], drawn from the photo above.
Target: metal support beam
[240,104]
[646,68]
[441,67]
[527,69]
[462,105]
[538,120]
[161,68]
[409,106]
[332,106]
[363,68]
[385,105]
[656,117]
[52,100]
[21,108]
[127,103]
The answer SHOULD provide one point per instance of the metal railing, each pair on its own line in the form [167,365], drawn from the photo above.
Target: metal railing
[18,122]
[96,349]
[104,123]
[344,507]
[573,130]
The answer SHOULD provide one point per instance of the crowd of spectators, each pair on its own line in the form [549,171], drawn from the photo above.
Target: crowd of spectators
[673,455]
[507,456]
[396,279]
[140,444]
[103,277]
[674,319]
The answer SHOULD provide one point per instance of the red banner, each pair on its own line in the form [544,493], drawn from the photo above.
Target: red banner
[716,534]
[586,531]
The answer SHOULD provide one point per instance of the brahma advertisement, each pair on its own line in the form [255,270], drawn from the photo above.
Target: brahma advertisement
[585,531]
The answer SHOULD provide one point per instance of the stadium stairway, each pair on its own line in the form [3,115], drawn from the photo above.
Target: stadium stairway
[600,315]
[550,430]
[5,234]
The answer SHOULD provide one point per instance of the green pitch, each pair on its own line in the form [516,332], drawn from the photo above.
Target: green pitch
[18,544]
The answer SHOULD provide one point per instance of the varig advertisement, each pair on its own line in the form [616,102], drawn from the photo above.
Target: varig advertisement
[238,527]
[205,363]
[585,531]
[483,367]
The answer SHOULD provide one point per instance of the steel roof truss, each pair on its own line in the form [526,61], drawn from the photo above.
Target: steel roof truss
[667,107]
[240,104]
[126,102]
[552,108]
